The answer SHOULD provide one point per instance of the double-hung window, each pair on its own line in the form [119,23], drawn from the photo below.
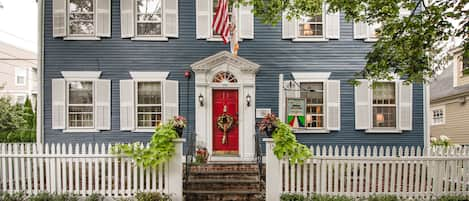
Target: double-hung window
[320,26]
[242,17]
[80,105]
[147,100]
[148,104]
[81,17]
[313,93]
[310,102]
[149,18]
[81,102]
[438,116]
[384,105]
[20,78]
[311,26]
[465,64]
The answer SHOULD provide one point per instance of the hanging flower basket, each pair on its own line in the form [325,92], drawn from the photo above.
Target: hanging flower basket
[179,123]
[268,125]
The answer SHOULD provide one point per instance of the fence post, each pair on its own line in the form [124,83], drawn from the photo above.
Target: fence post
[175,172]
[273,174]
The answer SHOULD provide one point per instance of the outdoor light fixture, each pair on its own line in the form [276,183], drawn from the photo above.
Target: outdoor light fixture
[248,100]
[201,100]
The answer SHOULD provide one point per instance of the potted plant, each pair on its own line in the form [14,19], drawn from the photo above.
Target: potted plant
[268,124]
[178,123]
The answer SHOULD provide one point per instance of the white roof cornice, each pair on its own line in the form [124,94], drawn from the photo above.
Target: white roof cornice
[224,57]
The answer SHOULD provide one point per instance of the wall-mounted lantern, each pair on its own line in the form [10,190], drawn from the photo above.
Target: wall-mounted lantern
[201,100]
[248,100]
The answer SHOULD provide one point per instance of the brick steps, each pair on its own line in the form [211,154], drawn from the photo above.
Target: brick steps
[224,182]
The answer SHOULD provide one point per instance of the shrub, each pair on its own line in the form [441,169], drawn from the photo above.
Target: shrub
[383,198]
[95,197]
[293,197]
[151,196]
[12,197]
[53,197]
[453,198]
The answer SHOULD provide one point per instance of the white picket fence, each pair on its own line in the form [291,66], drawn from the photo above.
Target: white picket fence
[366,171]
[84,169]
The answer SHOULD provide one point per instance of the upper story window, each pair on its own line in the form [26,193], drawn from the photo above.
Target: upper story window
[20,78]
[149,18]
[384,105]
[81,19]
[240,16]
[20,99]
[148,104]
[311,26]
[319,27]
[152,20]
[80,105]
[438,116]
[313,93]
[465,65]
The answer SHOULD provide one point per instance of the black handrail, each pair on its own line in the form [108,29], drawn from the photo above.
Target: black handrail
[190,152]
[259,156]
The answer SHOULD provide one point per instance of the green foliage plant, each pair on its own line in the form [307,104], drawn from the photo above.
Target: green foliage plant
[286,145]
[160,149]
[4,196]
[95,197]
[151,196]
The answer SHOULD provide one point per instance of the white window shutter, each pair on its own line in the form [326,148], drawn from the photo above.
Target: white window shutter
[288,27]
[127,18]
[58,104]
[405,106]
[360,30]
[332,24]
[246,22]
[59,12]
[333,104]
[171,18]
[103,18]
[203,13]
[127,105]
[363,105]
[103,104]
[171,99]
[292,90]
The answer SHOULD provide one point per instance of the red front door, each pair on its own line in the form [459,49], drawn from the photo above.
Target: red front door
[225,140]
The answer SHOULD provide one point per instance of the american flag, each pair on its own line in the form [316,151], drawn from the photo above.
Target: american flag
[221,21]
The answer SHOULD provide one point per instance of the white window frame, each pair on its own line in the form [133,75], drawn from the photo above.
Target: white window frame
[161,36]
[324,105]
[67,107]
[138,105]
[70,36]
[307,77]
[443,116]
[395,105]
[216,37]
[20,72]
[323,22]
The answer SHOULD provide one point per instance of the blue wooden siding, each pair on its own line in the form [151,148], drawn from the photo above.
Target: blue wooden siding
[115,57]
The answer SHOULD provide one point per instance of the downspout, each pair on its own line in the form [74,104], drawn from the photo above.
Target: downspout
[426,110]
[40,67]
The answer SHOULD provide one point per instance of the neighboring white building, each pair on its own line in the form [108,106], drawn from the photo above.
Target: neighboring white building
[18,73]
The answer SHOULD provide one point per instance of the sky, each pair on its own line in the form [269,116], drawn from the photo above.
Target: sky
[18,23]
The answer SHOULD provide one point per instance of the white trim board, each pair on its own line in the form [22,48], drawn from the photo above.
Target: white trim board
[144,75]
[69,75]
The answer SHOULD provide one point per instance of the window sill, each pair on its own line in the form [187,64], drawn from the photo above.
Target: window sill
[310,131]
[216,39]
[310,40]
[150,38]
[81,38]
[78,130]
[377,130]
[144,130]
[371,40]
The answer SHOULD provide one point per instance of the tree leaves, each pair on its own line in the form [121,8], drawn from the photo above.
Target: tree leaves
[286,145]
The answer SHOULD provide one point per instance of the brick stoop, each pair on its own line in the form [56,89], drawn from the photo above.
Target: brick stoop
[224,182]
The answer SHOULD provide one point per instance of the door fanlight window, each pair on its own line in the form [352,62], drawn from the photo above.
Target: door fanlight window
[224,77]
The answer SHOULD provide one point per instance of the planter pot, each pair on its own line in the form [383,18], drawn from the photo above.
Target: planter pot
[270,130]
[179,131]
